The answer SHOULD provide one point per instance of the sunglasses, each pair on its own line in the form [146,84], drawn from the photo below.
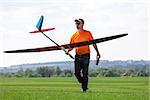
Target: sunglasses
[77,23]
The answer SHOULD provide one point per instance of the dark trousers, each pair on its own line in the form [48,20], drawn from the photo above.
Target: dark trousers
[81,69]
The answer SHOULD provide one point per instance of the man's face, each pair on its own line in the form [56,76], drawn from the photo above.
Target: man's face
[79,25]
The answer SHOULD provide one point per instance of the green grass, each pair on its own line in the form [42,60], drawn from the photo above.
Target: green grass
[103,88]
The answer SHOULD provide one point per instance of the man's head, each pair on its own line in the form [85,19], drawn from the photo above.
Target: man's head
[79,23]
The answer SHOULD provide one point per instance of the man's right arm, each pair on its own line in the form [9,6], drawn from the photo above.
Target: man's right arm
[70,49]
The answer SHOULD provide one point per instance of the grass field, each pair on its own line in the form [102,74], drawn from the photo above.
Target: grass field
[103,88]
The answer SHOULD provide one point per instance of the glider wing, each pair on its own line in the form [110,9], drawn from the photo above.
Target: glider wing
[66,46]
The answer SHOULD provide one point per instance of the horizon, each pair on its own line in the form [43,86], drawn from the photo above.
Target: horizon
[71,61]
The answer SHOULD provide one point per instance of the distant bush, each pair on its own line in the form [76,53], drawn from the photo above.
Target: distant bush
[94,72]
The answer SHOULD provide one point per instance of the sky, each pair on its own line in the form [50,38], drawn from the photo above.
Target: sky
[102,17]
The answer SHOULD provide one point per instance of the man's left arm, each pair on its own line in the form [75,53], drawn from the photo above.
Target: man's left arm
[98,54]
[95,46]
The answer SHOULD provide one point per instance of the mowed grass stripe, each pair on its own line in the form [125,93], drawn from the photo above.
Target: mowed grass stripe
[104,88]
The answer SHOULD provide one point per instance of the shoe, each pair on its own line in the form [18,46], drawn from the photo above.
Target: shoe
[84,90]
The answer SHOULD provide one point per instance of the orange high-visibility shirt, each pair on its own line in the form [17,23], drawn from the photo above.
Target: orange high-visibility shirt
[81,37]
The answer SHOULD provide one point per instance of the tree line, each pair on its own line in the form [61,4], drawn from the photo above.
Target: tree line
[94,72]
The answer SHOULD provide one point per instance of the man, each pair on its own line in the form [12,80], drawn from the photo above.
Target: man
[82,56]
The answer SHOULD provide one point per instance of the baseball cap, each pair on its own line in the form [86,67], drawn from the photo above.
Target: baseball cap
[79,20]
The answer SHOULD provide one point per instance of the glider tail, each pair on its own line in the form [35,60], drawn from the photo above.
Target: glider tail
[40,22]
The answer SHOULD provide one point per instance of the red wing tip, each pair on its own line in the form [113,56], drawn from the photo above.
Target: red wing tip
[42,30]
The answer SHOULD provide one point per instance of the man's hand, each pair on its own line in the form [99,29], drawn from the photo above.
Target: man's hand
[98,56]
[67,52]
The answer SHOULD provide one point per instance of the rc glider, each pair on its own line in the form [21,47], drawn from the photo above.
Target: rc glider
[62,47]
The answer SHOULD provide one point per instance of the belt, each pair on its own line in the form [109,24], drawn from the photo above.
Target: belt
[82,55]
